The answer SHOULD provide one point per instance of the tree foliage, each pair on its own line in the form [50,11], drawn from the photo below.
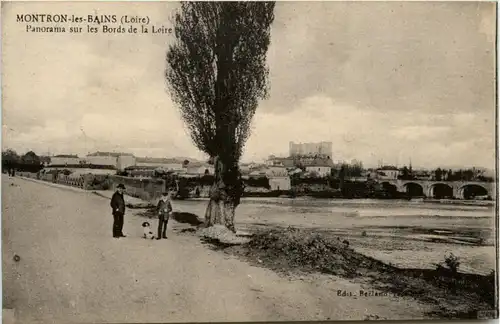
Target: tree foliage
[30,158]
[10,156]
[217,71]
[29,161]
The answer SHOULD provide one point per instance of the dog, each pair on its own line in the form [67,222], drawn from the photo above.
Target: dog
[148,234]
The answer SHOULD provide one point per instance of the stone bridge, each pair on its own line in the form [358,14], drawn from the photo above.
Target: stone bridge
[456,189]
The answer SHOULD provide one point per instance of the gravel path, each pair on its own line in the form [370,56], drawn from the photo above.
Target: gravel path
[72,270]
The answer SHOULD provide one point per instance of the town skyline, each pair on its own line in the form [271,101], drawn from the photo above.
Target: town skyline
[409,99]
[337,162]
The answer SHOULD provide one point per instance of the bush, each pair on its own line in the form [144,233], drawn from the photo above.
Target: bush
[99,183]
[207,180]
[261,182]
[296,181]
[451,263]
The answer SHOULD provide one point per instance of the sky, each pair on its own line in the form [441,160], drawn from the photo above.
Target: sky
[383,81]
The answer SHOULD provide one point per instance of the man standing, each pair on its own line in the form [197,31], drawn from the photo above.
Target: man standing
[164,208]
[118,207]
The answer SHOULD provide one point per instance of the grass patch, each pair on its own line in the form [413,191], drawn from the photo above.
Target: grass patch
[451,293]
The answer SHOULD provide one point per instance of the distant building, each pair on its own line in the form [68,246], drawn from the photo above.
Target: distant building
[320,165]
[422,175]
[294,171]
[118,160]
[276,172]
[287,162]
[320,169]
[280,183]
[125,161]
[256,166]
[65,159]
[162,163]
[258,173]
[310,160]
[200,168]
[321,148]
[278,178]
[274,161]
[388,173]
[140,172]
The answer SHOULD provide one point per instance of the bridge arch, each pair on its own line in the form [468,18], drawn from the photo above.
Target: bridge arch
[472,190]
[440,191]
[389,188]
[414,189]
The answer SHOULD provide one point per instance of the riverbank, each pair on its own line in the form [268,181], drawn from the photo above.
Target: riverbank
[291,251]
[409,235]
[327,196]
[460,202]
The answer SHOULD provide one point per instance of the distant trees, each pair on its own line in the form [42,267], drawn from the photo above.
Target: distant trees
[341,176]
[10,159]
[467,175]
[438,174]
[262,182]
[346,170]
[406,174]
[30,158]
[30,161]
[10,156]
[314,174]
[355,169]
[441,174]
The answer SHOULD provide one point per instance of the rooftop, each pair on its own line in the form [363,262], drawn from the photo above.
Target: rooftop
[320,162]
[114,154]
[157,160]
[80,166]
[388,167]
[66,156]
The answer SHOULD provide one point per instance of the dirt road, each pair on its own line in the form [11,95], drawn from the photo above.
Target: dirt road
[72,270]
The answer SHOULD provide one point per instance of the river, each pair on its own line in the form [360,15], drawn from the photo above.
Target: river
[405,233]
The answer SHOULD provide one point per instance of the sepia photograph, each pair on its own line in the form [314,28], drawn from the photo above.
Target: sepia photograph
[167,162]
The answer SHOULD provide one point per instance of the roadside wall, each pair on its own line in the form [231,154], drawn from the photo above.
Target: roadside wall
[145,189]
[87,181]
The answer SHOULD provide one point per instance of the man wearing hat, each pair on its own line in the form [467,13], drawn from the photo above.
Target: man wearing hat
[118,210]
[164,208]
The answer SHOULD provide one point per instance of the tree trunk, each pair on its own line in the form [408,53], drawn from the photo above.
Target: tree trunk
[225,195]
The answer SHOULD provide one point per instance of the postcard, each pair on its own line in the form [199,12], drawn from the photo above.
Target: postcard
[248,161]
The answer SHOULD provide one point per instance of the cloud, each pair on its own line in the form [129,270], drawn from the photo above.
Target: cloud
[419,133]
[394,137]
[388,56]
